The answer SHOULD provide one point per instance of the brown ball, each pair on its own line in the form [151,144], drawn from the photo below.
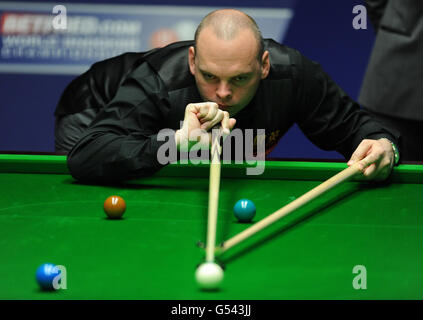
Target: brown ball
[114,207]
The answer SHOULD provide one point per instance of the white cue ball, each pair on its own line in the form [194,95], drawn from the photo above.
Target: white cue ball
[209,275]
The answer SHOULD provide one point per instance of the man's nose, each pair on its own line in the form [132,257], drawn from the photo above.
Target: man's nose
[223,91]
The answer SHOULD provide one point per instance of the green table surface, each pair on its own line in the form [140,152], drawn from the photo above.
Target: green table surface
[152,253]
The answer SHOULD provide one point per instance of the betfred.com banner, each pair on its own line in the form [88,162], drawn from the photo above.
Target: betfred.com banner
[66,39]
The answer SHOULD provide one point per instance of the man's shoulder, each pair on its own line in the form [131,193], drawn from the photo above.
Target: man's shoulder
[161,55]
[280,53]
[118,65]
[284,60]
[102,80]
[171,64]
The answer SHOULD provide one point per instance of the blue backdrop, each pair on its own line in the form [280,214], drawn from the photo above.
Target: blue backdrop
[321,30]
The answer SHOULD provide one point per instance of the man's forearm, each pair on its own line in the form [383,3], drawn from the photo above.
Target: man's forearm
[107,157]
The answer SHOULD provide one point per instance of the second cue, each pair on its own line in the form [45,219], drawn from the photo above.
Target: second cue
[305,198]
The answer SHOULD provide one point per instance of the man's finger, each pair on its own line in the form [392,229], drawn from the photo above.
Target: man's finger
[232,122]
[370,170]
[208,111]
[201,109]
[216,120]
[371,158]
[226,130]
[360,152]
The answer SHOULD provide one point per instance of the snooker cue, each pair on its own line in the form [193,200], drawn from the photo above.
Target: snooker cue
[214,183]
[305,198]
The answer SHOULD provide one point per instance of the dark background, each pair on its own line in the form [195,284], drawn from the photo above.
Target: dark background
[321,30]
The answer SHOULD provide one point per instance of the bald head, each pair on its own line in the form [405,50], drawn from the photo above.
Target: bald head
[226,24]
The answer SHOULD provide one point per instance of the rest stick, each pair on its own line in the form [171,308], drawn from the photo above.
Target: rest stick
[307,197]
[213,197]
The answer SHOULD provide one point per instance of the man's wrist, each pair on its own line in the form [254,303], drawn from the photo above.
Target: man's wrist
[395,151]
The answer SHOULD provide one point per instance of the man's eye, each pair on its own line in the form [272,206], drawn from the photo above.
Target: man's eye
[208,76]
[240,78]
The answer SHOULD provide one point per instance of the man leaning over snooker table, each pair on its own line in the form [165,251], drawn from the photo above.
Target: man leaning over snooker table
[108,119]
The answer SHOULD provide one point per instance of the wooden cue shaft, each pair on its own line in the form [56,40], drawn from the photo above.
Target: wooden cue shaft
[214,183]
[307,197]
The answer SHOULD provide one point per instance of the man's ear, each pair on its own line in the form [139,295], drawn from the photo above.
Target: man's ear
[191,59]
[265,64]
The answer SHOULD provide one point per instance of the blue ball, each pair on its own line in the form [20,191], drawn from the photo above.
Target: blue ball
[244,210]
[45,275]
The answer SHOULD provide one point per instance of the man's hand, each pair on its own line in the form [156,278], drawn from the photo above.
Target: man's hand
[199,119]
[375,157]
